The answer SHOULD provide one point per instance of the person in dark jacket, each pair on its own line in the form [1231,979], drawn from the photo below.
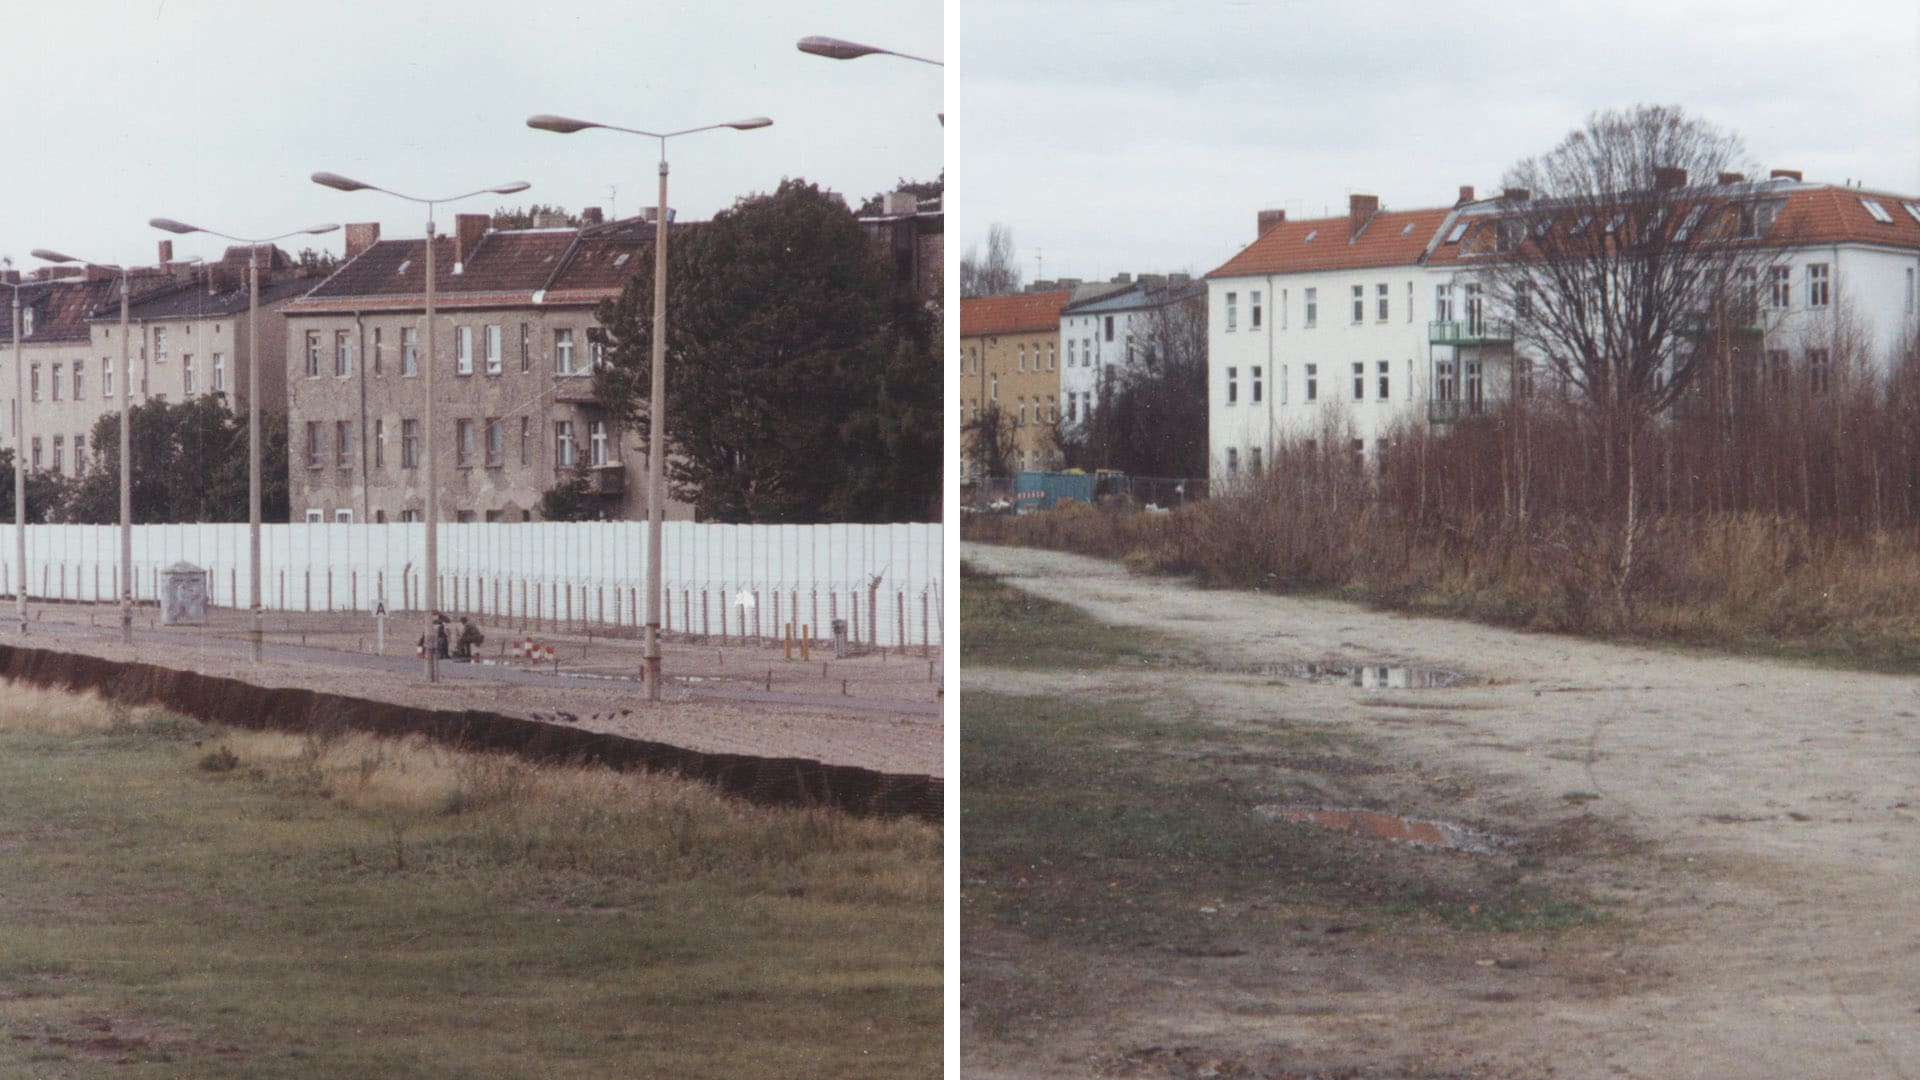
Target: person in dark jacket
[470,638]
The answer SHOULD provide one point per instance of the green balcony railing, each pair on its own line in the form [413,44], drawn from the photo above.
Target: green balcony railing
[1470,332]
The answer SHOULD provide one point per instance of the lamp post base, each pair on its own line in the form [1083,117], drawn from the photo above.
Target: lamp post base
[126,623]
[257,634]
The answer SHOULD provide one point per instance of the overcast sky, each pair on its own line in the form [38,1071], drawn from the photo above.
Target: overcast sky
[1137,135]
[216,112]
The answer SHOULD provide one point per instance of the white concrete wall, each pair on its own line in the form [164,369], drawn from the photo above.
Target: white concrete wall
[502,569]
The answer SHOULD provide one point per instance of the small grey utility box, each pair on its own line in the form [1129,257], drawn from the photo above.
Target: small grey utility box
[183,595]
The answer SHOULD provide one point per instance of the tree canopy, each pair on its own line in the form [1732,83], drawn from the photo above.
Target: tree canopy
[802,381]
[996,274]
[189,465]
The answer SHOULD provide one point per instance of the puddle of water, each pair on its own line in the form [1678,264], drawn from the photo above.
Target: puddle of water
[1363,676]
[1418,832]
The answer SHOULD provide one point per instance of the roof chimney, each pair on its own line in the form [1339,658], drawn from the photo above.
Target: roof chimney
[1787,174]
[1268,219]
[166,252]
[1668,177]
[361,236]
[467,231]
[899,202]
[591,216]
[10,276]
[1516,195]
[99,273]
[1359,209]
[1727,178]
[1466,195]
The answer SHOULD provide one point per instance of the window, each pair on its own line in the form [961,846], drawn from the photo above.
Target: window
[1819,371]
[159,344]
[1109,326]
[1072,361]
[1022,421]
[1359,455]
[36,382]
[494,517]
[36,453]
[316,446]
[526,358]
[1458,231]
[343,443]
[494,353]
[1313,308]
[59,453]
[80,366]
[1443,303]
[1779,287]
[1233,385]
[1409,301]
[1473,385]
[1313,382]
[316,517]
[1359,381]
[379,444]
[313,354]
[597,444]
[342,356]
[1474,310]
[463,350]
[379,352]
[1232,314]
[1912,209]
[1053,414]
[79,454]
[1256,387]
[1359,303]
[1817,285]
[1753,220]
[186,373]
[1879,212]
[1233,460]
[496,443]
[58,376]
[409,444]
[563,444]
[526,440]
[106,376]
[1777,370]
[1253,310]
[993,387]
[1282,306]
[597,354]
[219,374]
[463,444]
[409,515]
[1383,371]
[1380,301]
[343,517]
[1253,461]
[1073,408]
[1689,223]
[409,350]
[563,351]
[1022,366]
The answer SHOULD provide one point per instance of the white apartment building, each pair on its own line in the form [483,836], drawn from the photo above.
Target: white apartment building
[1341,327]
[1100,335]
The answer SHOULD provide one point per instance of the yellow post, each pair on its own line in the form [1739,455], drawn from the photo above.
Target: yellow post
[806,654]
[789,629]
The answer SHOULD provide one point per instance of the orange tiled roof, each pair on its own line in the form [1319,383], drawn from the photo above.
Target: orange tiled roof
[1013,313]
[1386,241]
[1835,215]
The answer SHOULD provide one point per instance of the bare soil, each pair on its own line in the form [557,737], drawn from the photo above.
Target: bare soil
[1749,828]
[876,710]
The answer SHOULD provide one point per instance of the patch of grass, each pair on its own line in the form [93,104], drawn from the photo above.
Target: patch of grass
[1003,626]
[1523,908]
[348,907]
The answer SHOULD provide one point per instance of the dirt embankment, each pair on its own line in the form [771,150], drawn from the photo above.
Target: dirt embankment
[1759,825]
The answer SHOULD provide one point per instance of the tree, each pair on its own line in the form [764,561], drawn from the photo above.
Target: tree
[989,440]
[801,384]
[572,499]
[1151,417]
[1611,253]
[47,492]
[537,216]
[189,465]
[318,262]
[999,273]
[924,189]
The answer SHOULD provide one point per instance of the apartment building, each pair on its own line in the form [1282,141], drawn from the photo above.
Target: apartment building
[1103,333]
[1339,328]
[513,375]
[1010,358]
[909,234]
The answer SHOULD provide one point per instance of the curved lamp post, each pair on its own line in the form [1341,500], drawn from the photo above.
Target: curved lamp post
[657,402]
[432,598]
[256,631]
[126,471]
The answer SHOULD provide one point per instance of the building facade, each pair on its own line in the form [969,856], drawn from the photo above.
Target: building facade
[515,411]
[1010,360]
[1100,333]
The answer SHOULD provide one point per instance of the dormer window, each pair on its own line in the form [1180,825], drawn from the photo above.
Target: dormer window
[1912,209]
[1879,212]
[1580,226]
[1753,220]
[1541,229]
[1459,230]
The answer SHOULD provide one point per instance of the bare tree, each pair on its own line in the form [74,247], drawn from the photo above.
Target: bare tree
[1620,254]
[999,273]
[989,439]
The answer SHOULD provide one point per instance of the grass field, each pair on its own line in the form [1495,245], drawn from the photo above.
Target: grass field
[186,901]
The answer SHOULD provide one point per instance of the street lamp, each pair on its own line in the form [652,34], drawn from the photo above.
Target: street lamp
[256,632]
[19,462]
[342,183]
[126,468]
[836,49]
[657,403]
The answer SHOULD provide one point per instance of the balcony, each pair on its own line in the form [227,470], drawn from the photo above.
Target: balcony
[1741,322]
[607,479]
[1470,332]
[573,389]
[1453,410]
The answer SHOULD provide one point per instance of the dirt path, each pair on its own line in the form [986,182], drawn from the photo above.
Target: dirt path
[1765,886]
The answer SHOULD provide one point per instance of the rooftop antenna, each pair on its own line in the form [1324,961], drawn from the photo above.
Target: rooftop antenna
[1039,265]
[613,202]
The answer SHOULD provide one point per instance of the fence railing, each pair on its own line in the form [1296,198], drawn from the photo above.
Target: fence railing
[719,580]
